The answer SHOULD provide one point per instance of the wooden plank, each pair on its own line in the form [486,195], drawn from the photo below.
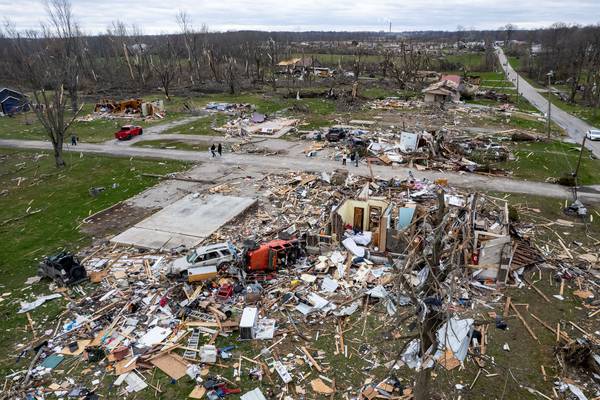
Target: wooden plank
[524,322]
[506,307]
[311,359]
[538,291]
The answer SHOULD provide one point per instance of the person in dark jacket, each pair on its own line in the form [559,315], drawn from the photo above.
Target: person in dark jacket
[220,149]
[212,150]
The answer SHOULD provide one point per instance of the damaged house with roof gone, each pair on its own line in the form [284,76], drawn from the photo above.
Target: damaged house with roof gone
[447,89]
[12,101]
[301,66]
[369,217]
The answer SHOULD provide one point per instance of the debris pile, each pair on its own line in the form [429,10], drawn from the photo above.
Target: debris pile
[394,103]
[441,149]
[329,270]
[129,109]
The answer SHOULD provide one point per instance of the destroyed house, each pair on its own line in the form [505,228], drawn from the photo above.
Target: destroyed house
[12,101]
[442,92]
[370,215]
[301,65]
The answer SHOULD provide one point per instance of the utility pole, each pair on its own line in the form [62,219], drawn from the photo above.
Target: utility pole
[576,173]
[518,91]
[549,75]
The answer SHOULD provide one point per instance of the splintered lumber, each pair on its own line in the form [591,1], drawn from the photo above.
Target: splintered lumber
[555,331]
[580,329]
[311,359]
[208,324]
[562,244]
[177,178]
[537,290]
[523,321]
[562,287]
[273,345]
[506,307]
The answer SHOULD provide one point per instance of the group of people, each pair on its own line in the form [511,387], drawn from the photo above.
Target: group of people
[353,158]
[218,149]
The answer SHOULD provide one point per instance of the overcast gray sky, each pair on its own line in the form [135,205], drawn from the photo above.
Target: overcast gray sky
[158,16]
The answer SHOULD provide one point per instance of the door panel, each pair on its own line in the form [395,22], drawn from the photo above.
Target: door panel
[358,218]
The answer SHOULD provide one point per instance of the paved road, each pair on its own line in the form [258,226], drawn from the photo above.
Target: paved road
[575,127]
[318,165]
[154,132]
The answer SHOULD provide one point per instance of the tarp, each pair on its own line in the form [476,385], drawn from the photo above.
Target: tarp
[351,245]
[455,335]
[26,307]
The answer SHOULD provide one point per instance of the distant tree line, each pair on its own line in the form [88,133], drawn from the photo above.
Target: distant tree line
[572,53]
[58,63]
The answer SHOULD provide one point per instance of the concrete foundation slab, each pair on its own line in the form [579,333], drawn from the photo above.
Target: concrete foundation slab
[187,221]
[154,239]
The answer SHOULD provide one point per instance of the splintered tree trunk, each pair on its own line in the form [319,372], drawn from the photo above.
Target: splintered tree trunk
[74,100]
[166,83]
[423,379]
[58,155]
[433,320]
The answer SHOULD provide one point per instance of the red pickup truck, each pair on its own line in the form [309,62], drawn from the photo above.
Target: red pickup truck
[272,256]
[128,131]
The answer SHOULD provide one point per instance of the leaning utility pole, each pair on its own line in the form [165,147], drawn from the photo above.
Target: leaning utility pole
[576,173]
[518,91]
[549,74]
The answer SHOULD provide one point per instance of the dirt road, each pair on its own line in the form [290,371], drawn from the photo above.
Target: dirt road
[295,162]
[575,127]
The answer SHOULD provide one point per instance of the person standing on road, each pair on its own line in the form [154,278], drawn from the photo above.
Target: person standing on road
[356,159]
[220,150]
[212,150]
[74,140]
[344,156]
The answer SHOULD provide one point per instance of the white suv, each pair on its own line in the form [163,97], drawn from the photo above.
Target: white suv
[593,134]
[219,255]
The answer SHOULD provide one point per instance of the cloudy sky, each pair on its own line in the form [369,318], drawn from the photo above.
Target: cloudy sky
[158,16]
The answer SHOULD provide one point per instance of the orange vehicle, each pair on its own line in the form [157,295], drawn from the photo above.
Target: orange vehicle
[272,256]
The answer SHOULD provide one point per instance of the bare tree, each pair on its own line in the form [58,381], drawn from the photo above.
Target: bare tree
[509,29]
[406,64]
[164,65]
[358,55]
[42,68]
[273,54]
[45,64]
[65,30]
[192,46]
[231,74]
[138,56]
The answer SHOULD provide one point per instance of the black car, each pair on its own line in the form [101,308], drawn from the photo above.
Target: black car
[63,267]
[336,134]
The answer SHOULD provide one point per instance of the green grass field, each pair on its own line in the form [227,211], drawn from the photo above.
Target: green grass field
[202,126]
[470,61]
[537,161]
[30,182]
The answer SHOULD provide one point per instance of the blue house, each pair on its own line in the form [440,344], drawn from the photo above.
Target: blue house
[12,101]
